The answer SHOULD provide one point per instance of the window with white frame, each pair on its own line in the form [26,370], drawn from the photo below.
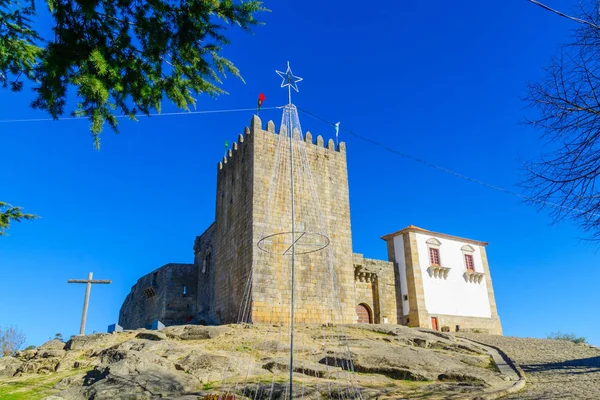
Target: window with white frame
[433,246]
[468,257]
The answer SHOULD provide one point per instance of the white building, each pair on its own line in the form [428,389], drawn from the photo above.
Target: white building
[445,281]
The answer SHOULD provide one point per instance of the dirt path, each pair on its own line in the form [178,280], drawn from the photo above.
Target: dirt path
[555,369]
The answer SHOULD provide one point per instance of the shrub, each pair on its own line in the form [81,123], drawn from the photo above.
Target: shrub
[570,337]
[11,340]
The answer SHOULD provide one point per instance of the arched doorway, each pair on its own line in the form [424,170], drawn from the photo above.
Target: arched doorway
[364,314]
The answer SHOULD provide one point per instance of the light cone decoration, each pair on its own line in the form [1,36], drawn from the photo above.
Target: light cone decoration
[293,290]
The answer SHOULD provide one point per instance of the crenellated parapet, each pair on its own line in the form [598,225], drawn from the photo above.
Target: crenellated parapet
[257,126]
[236,147]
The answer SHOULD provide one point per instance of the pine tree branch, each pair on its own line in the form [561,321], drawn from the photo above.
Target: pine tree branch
[9,214]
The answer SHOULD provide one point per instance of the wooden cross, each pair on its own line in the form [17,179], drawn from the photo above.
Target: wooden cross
[89,282]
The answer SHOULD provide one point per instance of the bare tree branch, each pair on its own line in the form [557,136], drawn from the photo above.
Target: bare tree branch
[579,20]
[568,105]
[11,340]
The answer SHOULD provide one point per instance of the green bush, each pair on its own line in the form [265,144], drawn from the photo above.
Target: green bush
[570,337]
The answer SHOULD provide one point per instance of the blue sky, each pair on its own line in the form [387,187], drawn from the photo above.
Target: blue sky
[438,80]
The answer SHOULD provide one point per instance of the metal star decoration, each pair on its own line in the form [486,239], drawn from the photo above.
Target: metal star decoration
[289,79]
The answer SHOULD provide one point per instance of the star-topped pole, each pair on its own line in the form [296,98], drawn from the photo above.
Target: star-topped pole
[289,80]
[289,119]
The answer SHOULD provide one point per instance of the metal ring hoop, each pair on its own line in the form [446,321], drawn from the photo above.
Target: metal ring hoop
[301,246]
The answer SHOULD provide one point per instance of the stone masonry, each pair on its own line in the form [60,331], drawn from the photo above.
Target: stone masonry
[231,281]
[330,176]
[376,288]
[166,294]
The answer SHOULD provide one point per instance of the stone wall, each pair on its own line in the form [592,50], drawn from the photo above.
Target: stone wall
[181,288]
[468,324]
[204,262]
[376,286]
[159,295]
[495,326]
[233,230]
[330,197]
[223,284]
[366,294]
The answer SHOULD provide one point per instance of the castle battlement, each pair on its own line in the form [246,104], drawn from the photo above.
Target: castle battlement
[232,280]
[256,126]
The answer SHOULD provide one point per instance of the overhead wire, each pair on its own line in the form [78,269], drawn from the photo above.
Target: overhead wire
[443,169]
[364,138]
[144,115]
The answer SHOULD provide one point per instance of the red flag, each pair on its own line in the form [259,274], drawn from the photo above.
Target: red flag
[261,98]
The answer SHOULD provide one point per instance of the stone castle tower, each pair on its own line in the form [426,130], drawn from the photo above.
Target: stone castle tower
[228,250]
[232,280]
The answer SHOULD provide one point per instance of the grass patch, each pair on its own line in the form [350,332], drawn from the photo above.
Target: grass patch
[33,388]
[277,379]
[405,384]
[371,332]
[492,365]
[569,337]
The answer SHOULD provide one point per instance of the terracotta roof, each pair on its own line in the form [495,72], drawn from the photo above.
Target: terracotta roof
[413,228]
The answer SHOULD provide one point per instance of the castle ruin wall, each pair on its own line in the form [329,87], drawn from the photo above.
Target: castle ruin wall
[204,261]
[160,295]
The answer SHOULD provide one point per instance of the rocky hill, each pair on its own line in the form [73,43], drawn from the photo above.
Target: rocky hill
[194,362]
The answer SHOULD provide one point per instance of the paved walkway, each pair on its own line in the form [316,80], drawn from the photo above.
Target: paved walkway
[505,369]
[555,369]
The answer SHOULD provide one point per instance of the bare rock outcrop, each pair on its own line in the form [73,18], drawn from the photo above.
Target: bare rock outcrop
[9,366]
[193,361]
